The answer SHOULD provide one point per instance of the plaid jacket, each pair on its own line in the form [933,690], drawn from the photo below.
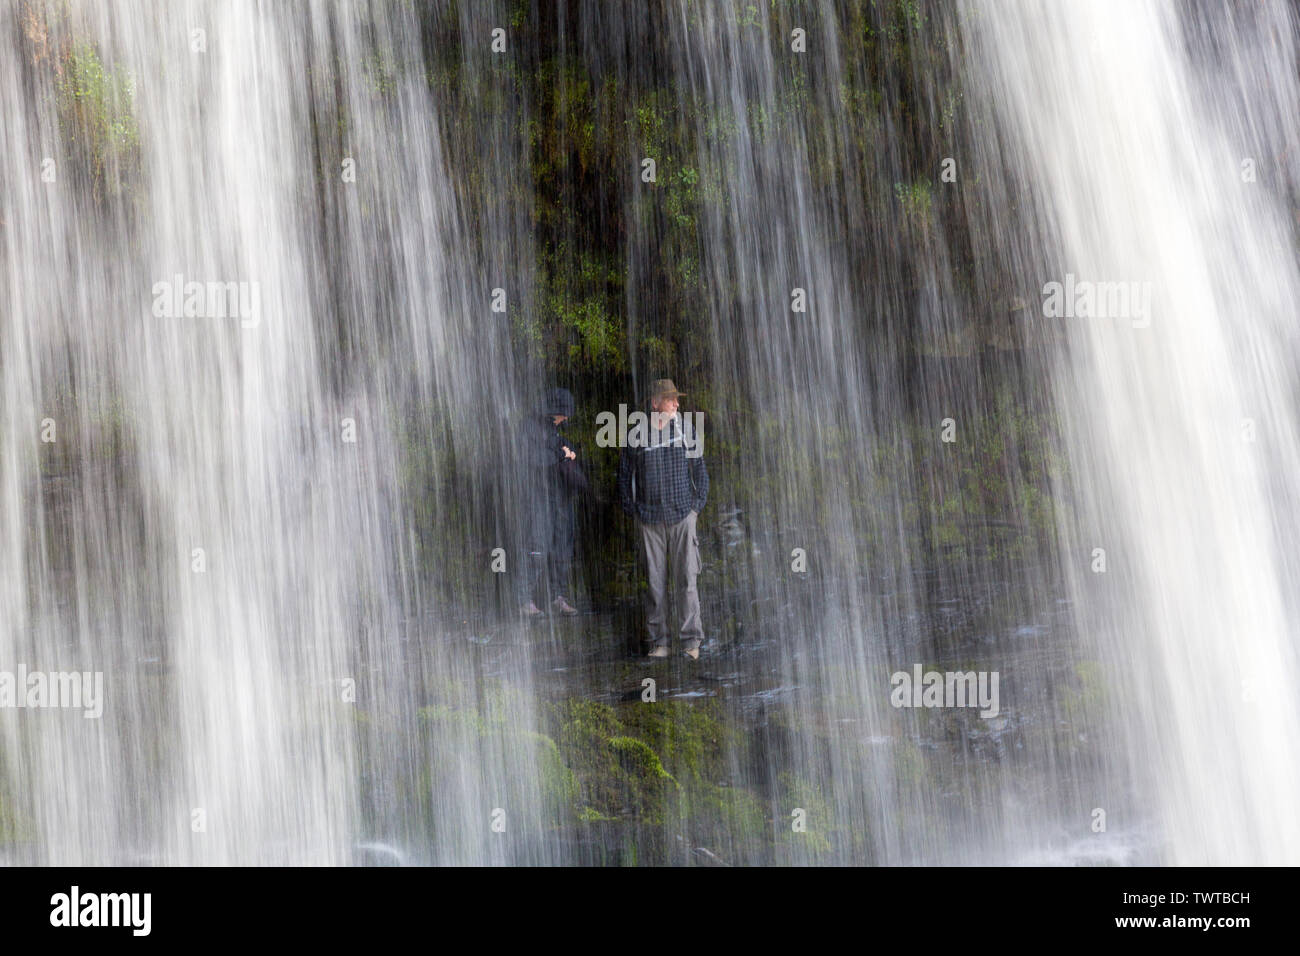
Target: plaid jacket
[658,484]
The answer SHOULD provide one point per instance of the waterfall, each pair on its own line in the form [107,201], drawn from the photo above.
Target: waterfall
[218,523]
[985,308]
[1154,143]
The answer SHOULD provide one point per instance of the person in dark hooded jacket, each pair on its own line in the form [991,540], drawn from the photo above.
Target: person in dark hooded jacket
[553,478]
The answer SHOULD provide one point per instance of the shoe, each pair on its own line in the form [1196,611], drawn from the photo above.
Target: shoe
[658,650]
[564,607]
[532,611]
[693,653]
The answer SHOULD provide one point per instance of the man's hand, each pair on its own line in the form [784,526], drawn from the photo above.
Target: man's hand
[568,453]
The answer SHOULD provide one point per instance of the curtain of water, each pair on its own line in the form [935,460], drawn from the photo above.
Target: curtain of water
[827,281]
[1156,145]
[220,524]
[270,531]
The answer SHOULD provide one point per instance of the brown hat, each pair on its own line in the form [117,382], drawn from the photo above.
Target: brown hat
[664,388]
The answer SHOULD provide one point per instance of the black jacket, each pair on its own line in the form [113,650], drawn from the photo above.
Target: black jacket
[548,472]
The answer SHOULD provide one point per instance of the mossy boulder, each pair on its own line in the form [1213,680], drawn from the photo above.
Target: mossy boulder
[618,775]
[666,768]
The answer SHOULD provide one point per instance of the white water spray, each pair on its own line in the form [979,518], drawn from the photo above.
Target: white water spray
[1183,434]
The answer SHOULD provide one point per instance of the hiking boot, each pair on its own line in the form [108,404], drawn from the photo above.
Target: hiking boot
[659,650]
[693,653]
[564,607]
[532,611]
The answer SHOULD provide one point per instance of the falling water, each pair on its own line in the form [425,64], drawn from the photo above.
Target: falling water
[1156,145]
[219,524]
[271,529]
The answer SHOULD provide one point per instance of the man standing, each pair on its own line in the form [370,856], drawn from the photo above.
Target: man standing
[663,484]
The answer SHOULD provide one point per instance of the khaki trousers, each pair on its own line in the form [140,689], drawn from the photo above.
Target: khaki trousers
[679,544]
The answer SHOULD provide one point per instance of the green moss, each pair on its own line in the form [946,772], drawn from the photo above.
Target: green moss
[1083,699]
[813,842]
[379,70]
[731,818]
[909,764]
[12,828]
[616,775]
[639,759]
[480,730]
[559,786]
[96,124]
[582,721]
[659,764]
[8,828]
[693,740]
[916,202]
[596,337]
